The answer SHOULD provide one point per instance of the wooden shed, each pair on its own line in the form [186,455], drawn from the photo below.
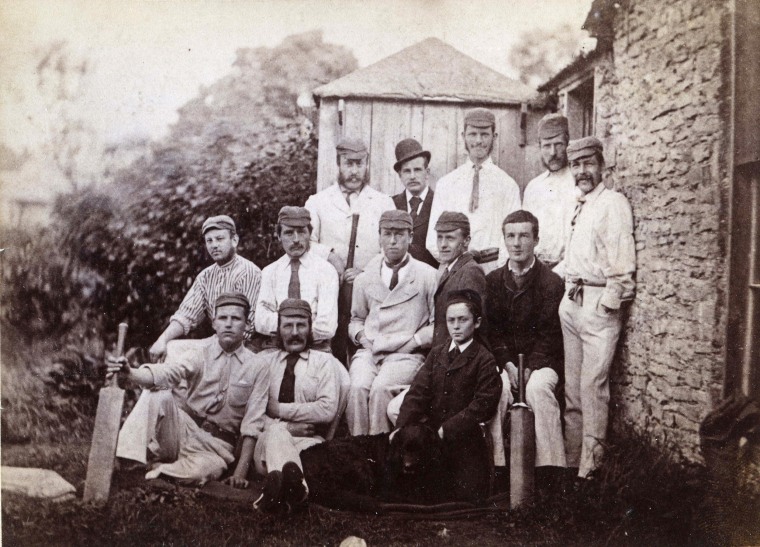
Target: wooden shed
[423,92]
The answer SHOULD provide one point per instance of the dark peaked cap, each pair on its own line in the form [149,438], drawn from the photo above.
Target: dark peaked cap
[353,149]
[220,222]
[580,148]
[552,125]
[232,299]
[295,307]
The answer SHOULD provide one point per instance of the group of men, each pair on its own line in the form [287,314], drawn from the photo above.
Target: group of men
[431,272]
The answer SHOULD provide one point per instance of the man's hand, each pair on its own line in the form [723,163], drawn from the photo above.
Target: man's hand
[235,482]
[117,365]
[514,375]
[337,263]
[350,274]
[364,342]
[157,351]
[298,429]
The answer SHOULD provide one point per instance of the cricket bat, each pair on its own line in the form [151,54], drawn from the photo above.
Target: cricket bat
[341,343]
[522,445]
[105,434]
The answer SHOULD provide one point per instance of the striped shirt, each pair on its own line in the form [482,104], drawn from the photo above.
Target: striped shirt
[238,275]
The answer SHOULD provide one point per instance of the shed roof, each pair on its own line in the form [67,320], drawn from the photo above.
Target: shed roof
[430,70]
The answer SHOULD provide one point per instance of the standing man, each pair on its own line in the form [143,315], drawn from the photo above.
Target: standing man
[195,440]
[599,265]
[229,273]
[301,275]
[551,196]
[479,189]
[522,302]
[458,269]
[413,171]
[304,393]
[392,322]
[331,211]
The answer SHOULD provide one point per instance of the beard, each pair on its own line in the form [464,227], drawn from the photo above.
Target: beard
[364,180]
[488,152]
[548,166]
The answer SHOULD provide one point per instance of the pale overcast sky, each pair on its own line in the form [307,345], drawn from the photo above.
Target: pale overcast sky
[151,56]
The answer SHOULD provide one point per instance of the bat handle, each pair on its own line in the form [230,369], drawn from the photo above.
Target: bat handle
[521,378]
[121,339]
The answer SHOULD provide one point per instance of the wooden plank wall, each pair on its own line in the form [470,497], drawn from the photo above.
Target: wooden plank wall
[438,126]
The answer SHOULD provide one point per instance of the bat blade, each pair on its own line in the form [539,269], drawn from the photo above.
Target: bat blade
[522,455]
[103,449]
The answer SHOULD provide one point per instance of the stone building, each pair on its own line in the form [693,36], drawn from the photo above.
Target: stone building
[669,90]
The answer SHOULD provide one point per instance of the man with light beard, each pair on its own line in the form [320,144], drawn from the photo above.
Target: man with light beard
[551,196]
[479,189]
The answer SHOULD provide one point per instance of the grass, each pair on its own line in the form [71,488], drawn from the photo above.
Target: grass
[641,497]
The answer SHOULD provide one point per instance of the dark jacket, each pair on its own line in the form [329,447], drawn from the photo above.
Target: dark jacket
[526,320]
[457,395]
[466,274]
[417,249]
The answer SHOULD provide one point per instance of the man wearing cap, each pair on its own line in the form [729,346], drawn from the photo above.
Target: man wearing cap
[599,265]
[458,268]
[522,302]
[304,399]
[298,274]
[551,196]
[479,189]
[392,322]
[417,198]
[195,440]
[331,210]
[229,273]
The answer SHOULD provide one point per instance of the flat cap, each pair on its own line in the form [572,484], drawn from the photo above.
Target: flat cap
[295,307]
[552,125]
[466,296]
[220,222]
[451,220]
[353,149]
[479,117]
[394,218]
[408,149]
[294,216]
[580,148]
[232,299]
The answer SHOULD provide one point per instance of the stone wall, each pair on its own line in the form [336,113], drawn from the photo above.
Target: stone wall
[661,99]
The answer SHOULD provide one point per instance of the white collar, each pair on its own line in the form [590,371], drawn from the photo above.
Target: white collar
[520,273]
[422,195]
[462,347]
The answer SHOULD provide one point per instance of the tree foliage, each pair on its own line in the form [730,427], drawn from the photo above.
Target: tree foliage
[541,53]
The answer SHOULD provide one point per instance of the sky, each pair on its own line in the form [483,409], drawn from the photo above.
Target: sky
[149,57]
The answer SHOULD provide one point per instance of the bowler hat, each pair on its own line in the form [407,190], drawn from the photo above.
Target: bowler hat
[408,149]
[294,307]
[220,222]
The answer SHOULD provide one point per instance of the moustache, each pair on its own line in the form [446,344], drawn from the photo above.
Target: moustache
[295,339]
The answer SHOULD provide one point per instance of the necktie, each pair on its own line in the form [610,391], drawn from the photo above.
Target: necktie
[581,201]
[444,277]
[217,403]
[396,268]
[475,197]
[288,385]
[454,353]
[414,204]
[350,197]
[294,287]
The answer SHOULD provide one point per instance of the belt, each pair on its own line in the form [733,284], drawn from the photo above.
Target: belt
[576,291]
[215,430]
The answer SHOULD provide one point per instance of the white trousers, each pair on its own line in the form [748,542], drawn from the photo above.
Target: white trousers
[157,425]
[539,392]
[276,447]
[373,385]
[590,336]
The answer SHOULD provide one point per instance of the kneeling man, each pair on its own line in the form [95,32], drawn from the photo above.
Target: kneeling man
[392,317]
[522,303]
[226,397]
[304,394]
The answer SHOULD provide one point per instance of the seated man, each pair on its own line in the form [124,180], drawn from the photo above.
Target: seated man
[459,386]
[392,321]
[229,273]
[299,274]
[304,393]
[226,397]
[522,309]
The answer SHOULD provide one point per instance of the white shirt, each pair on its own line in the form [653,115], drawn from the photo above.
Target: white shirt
[386,272]
[462,347]
[422,197]
[319,287]
[499,196]
[600,248]
[551,197]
